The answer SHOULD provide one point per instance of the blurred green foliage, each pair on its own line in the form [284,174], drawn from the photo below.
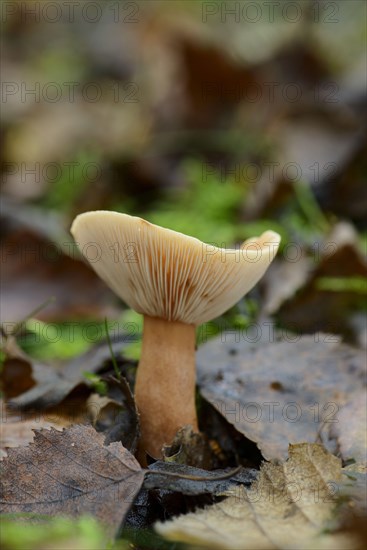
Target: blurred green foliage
[343,284]
[72,181]
[208,208]
[84,533]
[147,539]
[46,341]
[98,385]
[62,341]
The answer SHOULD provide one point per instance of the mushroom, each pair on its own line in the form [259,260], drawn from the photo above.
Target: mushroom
[177,282]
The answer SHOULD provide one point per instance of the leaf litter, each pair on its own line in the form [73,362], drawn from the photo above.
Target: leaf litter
[116,414]
[48,386]
[206,58]
[284,391]
[324,372]
[76,474]
[289,506]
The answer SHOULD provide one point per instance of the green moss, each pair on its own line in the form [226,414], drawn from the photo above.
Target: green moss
[207,208]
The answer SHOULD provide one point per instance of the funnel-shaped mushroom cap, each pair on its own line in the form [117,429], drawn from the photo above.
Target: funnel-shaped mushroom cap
[162,273]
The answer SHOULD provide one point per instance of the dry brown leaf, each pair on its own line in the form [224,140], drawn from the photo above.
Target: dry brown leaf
[281,282]
[17,428]
[353,493]
[16,431]
[280,392]
[34,269]
[315,308]
[17,434]
[287,507]
[351,429]
[36,385]
[115,414]
[71,473]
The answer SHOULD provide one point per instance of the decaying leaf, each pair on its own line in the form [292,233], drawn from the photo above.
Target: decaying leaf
[318,304]
[282,280]
[70,473]
[190,448]
[344,194]
[20,372]
[35,268]
[287,507]
[16,434]
[170,489]
[350,429]
[116,414]
[280,392]
[352,491]
[49,386]
[74,472]
[187,480]
[17,430]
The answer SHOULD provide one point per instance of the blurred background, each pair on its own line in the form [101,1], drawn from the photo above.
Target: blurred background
[217,119]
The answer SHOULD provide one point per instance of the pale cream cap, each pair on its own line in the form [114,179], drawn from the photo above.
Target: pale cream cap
[163,273]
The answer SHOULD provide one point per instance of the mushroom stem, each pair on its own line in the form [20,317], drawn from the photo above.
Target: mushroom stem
[165,382]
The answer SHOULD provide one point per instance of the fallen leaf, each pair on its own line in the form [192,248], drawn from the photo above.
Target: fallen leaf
[20,372]
[116,414]
[287,507]
[166,491]
[17,430]
[207,67]
[229,447]
[350,431]
[70,123]
[315,306]
[259,43]
[281,282]
[352,492]
[19,375]
[50,385]
[280,392]
[190,448]
[344,194]
[71,473]
[35,269]
[321,140]
[16,434]
[187,480]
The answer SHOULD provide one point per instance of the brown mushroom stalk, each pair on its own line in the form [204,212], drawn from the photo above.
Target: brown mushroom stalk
[177,282]
[168,356]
